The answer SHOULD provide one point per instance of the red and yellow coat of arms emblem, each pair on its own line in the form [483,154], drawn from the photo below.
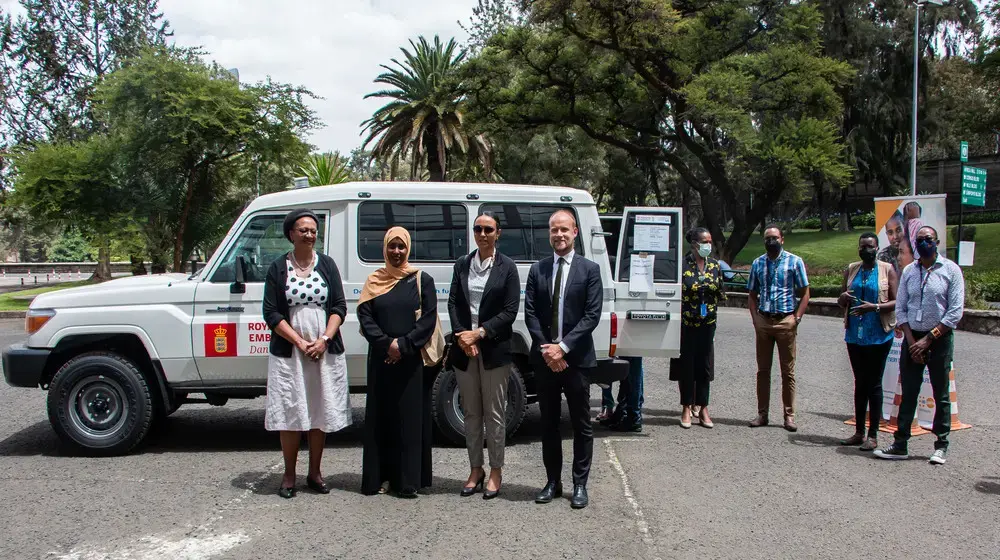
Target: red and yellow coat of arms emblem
[220,340]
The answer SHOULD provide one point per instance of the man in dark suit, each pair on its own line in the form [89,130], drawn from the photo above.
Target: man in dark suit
[562,306]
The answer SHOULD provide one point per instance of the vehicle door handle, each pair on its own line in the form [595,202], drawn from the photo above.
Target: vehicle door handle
[666,293]
[226,309]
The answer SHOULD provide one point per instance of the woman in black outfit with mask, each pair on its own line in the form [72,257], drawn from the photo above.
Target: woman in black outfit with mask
[869,299]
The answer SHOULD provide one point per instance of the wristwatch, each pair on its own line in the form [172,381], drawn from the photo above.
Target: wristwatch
[325,339]
[878,308]
[482,333]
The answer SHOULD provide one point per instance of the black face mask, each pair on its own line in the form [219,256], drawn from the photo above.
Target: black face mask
[867,254]
[773,246]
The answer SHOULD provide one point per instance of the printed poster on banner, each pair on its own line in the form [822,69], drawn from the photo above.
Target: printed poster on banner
[897,220]
[227,340]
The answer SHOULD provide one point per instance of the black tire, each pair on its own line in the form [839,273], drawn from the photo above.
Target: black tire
[119,405]
[447,409]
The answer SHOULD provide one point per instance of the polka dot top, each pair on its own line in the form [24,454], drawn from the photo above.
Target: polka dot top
[305,291]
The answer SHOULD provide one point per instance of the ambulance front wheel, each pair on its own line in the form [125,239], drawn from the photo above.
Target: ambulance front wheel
[100,404]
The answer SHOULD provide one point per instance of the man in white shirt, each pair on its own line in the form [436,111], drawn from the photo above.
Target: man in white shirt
[562,305]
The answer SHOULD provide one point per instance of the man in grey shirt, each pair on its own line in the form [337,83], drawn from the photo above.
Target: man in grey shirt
[929,305]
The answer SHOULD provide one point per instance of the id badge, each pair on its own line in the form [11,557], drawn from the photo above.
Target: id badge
[704,310]
[920,315]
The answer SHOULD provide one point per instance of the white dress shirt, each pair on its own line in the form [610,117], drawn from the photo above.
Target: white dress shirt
[562,292]
[479,274]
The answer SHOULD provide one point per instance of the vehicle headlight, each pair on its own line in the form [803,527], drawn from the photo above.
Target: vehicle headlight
[35,319]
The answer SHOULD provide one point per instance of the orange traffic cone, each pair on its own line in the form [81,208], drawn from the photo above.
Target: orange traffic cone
[956,424]
[893,424]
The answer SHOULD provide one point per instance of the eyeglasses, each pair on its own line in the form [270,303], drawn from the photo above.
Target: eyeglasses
[483,229]
[306,231]
[926,238]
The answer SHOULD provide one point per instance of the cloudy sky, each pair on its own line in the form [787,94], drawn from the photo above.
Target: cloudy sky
[333,47]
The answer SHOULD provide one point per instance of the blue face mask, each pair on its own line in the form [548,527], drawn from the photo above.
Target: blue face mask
[704,249]
[926,249]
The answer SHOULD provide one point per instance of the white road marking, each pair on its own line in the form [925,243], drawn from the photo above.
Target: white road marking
[640,518]
[150,548]
[199,543]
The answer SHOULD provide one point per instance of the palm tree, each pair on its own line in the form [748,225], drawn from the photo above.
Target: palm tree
[326,169]
[424,120]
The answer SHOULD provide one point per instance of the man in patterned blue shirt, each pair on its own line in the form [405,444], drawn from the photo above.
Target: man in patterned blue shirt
[779,295]
[929,304]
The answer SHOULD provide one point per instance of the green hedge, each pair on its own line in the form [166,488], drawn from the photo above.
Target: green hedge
[978,218]
[982,286]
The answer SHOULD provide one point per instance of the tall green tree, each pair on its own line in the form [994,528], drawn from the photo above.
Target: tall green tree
[723,79]
[182,141]
[425,119]
[51,60]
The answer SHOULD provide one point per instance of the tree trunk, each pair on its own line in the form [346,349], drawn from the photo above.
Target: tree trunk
[824,218]
[434,167]
[845,217]
[182,221]
[103,271]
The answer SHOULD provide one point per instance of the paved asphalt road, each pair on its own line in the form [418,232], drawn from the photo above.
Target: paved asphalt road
[204,485]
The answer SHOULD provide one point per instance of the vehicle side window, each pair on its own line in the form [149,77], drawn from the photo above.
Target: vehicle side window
[261,242]
[439,232]
[653,230]
[525,230]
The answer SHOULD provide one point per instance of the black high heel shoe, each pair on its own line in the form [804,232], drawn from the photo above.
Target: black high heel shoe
[286,492]
[490,494]
[470,490]
[319,487]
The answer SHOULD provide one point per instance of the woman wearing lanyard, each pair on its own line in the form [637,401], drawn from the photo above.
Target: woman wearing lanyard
[702,290]
[869,300]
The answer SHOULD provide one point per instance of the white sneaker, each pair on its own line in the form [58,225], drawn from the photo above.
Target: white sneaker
[938,457]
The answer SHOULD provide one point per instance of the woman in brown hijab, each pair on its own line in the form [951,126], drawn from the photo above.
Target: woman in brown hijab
[397,441]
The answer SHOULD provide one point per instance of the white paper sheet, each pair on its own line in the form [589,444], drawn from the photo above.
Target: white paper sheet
[652,238]
[966,253]
[640,278]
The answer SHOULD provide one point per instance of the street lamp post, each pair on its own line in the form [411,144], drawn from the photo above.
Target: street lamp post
[916,78]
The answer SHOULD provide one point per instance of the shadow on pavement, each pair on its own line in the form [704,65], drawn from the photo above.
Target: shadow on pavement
[223,430]
[814,440]
[266,484]
[989,485]
[37,439]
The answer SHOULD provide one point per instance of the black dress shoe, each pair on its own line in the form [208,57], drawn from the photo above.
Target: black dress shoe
[320,486]
[470,490]
[580,499]
[551,491]
[286,492]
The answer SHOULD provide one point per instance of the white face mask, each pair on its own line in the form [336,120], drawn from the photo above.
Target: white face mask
[704,249]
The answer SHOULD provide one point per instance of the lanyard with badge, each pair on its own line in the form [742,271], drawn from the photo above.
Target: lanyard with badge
[864,283]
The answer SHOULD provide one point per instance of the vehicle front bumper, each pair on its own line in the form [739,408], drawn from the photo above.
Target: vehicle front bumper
[23,366]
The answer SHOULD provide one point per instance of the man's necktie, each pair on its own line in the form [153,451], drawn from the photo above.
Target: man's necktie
[556,300]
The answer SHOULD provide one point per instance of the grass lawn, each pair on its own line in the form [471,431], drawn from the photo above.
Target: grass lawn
[8,303]
[831,251]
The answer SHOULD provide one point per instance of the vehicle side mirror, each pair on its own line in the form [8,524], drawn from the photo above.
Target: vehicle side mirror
[239,286]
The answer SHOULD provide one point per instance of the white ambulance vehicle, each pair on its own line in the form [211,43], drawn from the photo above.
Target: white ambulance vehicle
[118,356]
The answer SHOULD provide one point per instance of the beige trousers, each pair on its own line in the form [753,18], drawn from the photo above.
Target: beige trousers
[780,333]
[484,398]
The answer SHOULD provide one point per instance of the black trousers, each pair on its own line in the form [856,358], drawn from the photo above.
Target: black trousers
[911,377]
[551,385]
[696,365]
[868,363]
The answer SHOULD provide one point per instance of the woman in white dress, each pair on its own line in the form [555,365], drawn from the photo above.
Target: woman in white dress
[307,389]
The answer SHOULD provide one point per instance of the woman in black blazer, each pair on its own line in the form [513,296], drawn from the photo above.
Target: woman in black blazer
[483,302]
[307,391]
